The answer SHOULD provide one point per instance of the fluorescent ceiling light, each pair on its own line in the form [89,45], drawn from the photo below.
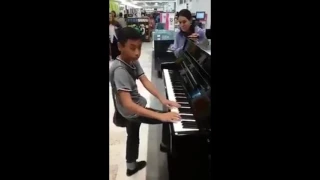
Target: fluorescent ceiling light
[154,1]
[129,4]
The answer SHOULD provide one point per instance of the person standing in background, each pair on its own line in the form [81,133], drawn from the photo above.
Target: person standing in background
[122,21]
[157,18]
[113,14]
[113,39]
[187,30]
[151,24]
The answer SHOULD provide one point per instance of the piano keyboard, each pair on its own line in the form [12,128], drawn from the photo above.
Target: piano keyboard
[176,93]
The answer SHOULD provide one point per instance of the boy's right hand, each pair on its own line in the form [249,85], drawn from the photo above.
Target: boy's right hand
[169,117]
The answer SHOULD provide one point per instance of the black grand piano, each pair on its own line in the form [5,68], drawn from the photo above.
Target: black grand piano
[188,82]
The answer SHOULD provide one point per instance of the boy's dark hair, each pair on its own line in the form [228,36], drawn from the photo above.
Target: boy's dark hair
[120,15]
[126,33]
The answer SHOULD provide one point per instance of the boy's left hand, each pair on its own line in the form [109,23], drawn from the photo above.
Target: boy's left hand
[168,103]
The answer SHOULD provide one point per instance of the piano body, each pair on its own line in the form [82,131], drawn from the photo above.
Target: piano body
[187,81]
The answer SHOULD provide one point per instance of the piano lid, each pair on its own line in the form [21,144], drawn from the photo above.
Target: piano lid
[195,49]
[199,53]
[205,46]
[195,68]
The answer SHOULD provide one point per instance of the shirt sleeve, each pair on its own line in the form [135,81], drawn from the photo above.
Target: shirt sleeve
[122,80]
[139,69]
[202,34]
[177,46]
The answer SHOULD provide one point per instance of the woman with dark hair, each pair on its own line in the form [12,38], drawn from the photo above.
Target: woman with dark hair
[113,39]
[187,30]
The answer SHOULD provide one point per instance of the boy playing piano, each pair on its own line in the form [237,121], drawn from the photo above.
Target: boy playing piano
[124,72]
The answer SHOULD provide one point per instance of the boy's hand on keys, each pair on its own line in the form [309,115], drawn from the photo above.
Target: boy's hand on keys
[169,117]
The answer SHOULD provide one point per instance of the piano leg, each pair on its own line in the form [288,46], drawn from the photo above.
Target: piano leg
[165,137]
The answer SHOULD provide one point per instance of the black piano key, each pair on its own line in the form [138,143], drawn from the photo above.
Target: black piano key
[181,99]
[180,94]
[189,125]
[177,86]
[187,121]
[185,110]
[189,117]
[175,82]
[184,105]
[178,91]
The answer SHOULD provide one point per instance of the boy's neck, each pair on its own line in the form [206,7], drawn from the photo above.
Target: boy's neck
[125,60]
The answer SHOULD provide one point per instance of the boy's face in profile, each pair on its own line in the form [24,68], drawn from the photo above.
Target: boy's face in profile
[131,50]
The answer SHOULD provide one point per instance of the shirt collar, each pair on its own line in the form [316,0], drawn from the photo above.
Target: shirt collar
[131,65]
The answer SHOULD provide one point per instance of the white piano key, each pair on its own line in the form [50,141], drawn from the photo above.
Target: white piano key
[188,120]
[186,114]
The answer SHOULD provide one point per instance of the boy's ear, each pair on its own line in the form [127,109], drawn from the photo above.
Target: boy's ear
[119,45]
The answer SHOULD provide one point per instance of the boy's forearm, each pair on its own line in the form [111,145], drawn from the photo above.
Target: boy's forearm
[141,111]
[153,90]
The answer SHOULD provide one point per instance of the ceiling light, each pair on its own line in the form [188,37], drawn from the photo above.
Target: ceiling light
[129,4]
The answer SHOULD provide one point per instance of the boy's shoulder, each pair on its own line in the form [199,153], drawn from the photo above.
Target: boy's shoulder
[115,68]
[114,65]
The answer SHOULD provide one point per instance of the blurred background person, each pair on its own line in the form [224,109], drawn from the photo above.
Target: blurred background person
[113,39]
[114,14]
[121,20]
[187,30]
